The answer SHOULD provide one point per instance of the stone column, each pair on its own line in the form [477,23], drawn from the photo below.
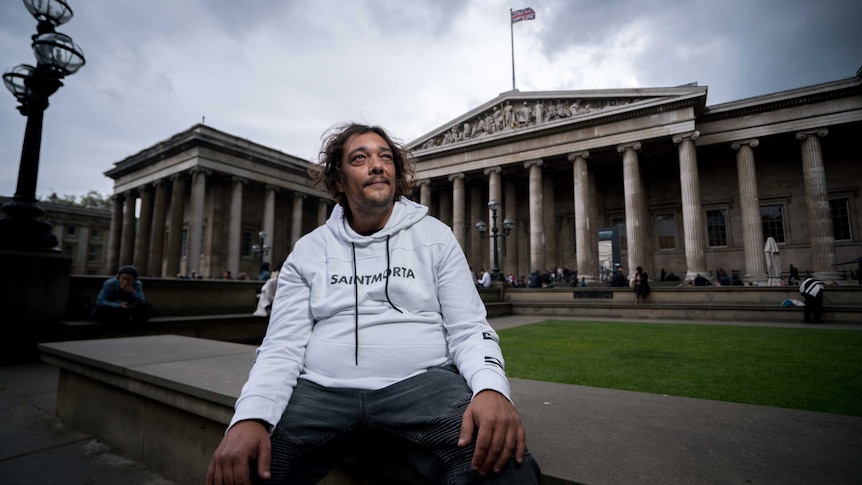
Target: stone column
[157,230]
[81,257]
[549,224]
[234,236]
[196,220]
[127,244]
[322,211]
[295,221]
[749,204]
[458,207]
[445,208]
[594,224]
[635,199]
[142,235]
[692,214]
[537,252]
[113,249]
[583,226]
[817,201]
[495,192]
[475,238]
[510,261]
[269,215]
[425,192]
[175,225]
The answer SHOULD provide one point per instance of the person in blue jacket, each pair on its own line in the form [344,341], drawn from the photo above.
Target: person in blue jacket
[122,300]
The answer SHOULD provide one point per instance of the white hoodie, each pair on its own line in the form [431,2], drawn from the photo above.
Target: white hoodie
[339,321]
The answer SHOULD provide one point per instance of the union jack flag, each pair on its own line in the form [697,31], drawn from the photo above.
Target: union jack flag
[523,14]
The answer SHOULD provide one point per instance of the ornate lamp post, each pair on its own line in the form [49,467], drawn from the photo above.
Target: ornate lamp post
[261,249]
[508,224]
[57,56]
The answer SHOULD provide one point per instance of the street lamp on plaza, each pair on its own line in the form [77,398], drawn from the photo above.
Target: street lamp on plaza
[57,56]
[261,249]
[508,224]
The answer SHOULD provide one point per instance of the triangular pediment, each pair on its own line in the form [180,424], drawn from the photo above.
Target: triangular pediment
[514,113]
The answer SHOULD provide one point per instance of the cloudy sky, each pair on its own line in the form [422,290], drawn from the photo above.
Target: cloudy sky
[280,73]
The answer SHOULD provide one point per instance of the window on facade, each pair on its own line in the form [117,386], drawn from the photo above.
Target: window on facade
[772,219]
[70,230]
[624,240]
[93,253]
[716,227]
[666,230]
[840,209]
[247,242]
[69,249]
[94,233]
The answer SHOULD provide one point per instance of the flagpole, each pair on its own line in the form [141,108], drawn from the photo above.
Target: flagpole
[512,38]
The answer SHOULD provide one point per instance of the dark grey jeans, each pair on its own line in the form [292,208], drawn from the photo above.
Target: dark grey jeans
[417,420]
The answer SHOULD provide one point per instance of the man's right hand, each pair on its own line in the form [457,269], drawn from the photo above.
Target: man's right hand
[244,441]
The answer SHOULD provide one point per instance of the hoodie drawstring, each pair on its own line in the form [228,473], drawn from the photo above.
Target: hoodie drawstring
[356,298]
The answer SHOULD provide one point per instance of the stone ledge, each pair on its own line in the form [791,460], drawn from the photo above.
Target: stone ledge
[175,394]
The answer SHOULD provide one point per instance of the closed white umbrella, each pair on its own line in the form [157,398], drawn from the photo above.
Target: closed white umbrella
[773,262]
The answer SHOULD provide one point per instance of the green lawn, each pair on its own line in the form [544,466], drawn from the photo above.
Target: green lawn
[800,368]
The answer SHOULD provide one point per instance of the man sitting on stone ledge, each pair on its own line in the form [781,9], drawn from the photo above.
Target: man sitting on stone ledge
[121,300]
[377,335]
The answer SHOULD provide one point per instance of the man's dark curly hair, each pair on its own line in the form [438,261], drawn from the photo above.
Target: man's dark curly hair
[327,172]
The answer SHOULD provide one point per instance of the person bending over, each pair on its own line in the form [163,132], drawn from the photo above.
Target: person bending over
[377,335]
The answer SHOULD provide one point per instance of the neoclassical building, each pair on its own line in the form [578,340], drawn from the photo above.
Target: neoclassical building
[647,177]
[196,203]
[689,188]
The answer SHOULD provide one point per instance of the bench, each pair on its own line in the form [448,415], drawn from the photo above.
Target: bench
[237,327]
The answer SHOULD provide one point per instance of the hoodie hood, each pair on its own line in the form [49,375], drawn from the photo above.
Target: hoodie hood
[405,213]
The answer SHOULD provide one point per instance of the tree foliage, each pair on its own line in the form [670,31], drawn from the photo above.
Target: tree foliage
[93,200]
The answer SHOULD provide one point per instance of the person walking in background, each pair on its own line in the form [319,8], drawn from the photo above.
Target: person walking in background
[267,294]
[812,291]
[641,285]
[121,300]
[380,338]
[794,275]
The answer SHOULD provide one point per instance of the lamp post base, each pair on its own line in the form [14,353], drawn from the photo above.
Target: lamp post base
[22,231]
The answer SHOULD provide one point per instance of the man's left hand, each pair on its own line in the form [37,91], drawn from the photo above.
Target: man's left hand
[500,432]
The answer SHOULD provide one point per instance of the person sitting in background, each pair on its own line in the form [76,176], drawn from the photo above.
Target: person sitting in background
[264,273]
[121,300]
[701,281]
[484,280]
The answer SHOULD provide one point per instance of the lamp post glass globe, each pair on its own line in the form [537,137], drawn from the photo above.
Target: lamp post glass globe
[55,12]
[15,80]
[59,53]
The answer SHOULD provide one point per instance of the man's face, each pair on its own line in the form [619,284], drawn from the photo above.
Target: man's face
[368,173]
[126,280]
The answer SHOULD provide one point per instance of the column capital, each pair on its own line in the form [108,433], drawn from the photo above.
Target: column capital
[752,142]
[201,170]
[585,154]
[237,178]
[458,176]
[820,132]
[156,183]
[422,182]
[537,162]
[622,147]
[299,195]
[271,187]
[679,137]
[142,188]
[491,170]
[177,176]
